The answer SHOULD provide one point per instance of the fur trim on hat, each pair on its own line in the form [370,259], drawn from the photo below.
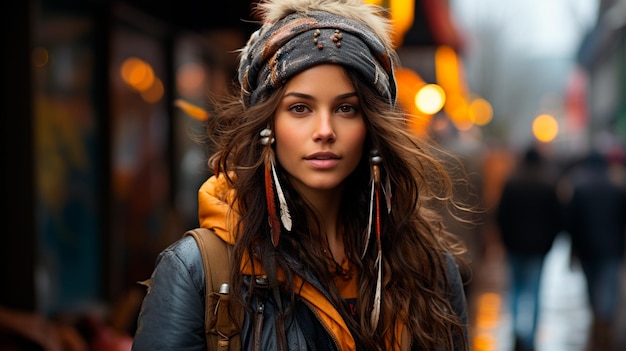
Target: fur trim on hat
[375,17]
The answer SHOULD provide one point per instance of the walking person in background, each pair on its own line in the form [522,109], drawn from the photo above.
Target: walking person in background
[596,221]
[326,197]
[529,216]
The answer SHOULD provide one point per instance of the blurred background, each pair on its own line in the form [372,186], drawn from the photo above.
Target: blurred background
[102,102]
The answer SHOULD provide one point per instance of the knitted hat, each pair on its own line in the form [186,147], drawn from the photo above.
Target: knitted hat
[298,34]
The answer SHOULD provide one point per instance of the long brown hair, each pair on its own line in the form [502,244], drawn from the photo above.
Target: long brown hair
[414,237]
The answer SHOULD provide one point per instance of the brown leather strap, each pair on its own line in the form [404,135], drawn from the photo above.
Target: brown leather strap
[221,330]
[224,326]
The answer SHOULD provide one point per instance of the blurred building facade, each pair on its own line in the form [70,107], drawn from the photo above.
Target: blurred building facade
[101,167]
[602,56]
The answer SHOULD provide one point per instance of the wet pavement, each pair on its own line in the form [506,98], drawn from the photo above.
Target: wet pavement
[564,316]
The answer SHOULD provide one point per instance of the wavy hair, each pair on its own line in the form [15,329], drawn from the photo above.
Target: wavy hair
[414,237]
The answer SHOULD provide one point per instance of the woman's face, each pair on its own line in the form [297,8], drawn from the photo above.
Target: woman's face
[319,129]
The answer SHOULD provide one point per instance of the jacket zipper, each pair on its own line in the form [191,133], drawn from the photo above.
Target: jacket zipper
[313,309]
[258,324]
[328,331]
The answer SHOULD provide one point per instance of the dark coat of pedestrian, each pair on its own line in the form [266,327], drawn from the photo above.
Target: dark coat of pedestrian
[596,221]
[529,216]
[529,213]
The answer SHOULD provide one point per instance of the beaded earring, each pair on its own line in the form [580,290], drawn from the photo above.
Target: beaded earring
[374,223]
[273,190]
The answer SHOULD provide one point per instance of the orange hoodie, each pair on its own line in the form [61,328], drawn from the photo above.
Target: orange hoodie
[216,213]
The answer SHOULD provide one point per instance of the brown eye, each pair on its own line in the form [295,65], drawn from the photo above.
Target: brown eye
[347,109]
[298,108]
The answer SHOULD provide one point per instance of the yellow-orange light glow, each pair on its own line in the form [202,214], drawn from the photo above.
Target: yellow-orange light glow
[480,111]
[489,309]
[401,17]
[127,67]
[454,104]
[154,93]
[430,99]
[447,69]
[192,110]
[484,342]
[545,128]
[143,78]
[409,83]
[449,73]
[457,109]
[137,73]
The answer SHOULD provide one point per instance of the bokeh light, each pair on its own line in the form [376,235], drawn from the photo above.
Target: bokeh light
[545,128]
[430,99]
[140,76]
[480,111]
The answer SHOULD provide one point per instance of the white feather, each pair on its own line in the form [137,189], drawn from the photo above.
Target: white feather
[369,221]
[387,191]
[377,297]
[285,217]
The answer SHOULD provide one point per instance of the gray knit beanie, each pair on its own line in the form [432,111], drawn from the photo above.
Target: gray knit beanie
[298,34]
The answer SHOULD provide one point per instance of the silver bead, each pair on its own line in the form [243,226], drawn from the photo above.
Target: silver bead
[266,136]
[266,132]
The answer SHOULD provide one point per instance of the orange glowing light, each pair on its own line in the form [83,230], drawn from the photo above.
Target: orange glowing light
[545,128]
[480,111]
[154,93]
[137,73]
[484,342]
[401,16]
[408,84]
[192,110]
[447,69]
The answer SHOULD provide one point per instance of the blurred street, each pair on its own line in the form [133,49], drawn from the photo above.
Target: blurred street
[108,99]
[564,317]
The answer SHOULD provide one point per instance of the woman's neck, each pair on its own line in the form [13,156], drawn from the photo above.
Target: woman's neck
[326,205]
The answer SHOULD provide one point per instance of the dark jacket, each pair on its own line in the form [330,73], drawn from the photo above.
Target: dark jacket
[596,214]
[529,214]
[172,313]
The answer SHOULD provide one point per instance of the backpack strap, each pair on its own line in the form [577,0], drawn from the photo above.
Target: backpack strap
[221,318]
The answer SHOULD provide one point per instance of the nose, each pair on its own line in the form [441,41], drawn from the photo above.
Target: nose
[324,129]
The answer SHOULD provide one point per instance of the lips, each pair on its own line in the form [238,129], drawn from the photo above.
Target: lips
[322,160]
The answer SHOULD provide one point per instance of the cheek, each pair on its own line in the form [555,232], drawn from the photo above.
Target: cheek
[287,141]
[357,138]
[356,144]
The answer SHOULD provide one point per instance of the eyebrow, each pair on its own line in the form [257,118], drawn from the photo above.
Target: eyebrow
[310,97]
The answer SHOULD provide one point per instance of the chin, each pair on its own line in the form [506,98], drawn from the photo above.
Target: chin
[324,186]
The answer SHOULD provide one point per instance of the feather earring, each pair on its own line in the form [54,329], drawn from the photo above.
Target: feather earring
[387,192]
[376,159]
[368,231]
[273,190]
[375,316]
[285,217]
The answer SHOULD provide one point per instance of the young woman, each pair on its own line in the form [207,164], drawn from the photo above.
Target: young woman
[329,201]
